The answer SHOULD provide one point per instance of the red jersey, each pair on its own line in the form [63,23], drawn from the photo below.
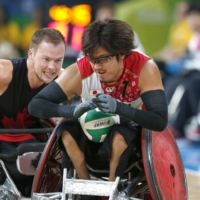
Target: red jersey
[125,89]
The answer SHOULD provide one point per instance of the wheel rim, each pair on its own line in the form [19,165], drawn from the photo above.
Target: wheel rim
[163,166]
[48,177]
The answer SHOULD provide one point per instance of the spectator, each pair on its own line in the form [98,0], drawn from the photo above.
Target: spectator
[186,106]
[186,123]
[170,59]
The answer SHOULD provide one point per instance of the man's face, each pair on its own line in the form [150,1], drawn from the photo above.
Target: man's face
[106,65]
[47,61]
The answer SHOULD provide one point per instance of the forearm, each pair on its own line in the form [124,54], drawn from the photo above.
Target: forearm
[46,103]
[156,115]
[44,109]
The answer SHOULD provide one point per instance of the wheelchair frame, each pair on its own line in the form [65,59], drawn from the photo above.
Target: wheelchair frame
[9,189]
[144,179]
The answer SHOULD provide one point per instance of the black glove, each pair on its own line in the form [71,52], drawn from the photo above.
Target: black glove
[83,107]
[105,103]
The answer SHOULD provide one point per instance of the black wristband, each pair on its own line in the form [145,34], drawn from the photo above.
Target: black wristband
[66,111]
[125,110]
[156,115]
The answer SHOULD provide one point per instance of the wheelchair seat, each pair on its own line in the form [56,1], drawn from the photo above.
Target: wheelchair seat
[156,173]
[30,147]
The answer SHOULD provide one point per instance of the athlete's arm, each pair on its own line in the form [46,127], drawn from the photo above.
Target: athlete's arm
[61,70]
[150,78]
[70,81]
[152,94]
[6,69]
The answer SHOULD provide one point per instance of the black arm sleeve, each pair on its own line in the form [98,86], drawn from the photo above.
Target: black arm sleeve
[156,115]
[46,103]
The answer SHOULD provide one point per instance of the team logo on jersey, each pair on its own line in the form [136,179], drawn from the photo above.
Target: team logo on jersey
[22,120]
[110,89]
[94,92]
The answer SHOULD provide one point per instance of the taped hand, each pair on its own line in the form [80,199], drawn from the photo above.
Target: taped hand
[105,103]
[83,107]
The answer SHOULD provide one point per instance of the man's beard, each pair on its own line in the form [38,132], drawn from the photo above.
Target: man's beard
[37,75]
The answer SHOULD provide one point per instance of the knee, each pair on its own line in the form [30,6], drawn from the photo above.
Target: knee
[118,141]
[67,139]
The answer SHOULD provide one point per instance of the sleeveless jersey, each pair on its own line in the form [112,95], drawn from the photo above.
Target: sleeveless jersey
[14,102]
[125,89]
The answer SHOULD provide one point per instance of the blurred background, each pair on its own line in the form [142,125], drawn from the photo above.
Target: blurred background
[166,30]
[150,19]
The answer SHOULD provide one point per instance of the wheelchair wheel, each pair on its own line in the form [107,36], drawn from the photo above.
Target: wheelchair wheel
[48,177]
[163,166]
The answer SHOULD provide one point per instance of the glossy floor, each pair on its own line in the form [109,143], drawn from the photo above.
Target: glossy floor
[190,153]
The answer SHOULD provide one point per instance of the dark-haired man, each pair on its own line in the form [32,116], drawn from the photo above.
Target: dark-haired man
[128,84]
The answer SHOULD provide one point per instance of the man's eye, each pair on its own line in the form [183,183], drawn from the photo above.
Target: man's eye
[102,59]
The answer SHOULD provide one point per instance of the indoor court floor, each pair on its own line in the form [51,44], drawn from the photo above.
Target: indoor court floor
[190,153]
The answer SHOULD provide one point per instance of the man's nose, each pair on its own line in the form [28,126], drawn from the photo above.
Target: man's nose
[97,66]
[51,65]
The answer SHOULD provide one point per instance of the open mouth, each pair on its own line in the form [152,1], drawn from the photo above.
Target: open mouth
[101,72]
[49,74]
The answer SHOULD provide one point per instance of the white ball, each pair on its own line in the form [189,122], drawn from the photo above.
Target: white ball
[96,124]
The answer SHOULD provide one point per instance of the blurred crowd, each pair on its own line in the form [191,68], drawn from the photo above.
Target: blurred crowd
[179,63]
[178,60]
[20,19]
[15,37]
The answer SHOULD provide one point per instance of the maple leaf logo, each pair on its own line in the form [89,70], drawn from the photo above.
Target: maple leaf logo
[22,121]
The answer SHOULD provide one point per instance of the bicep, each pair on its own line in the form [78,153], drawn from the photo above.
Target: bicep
[150,78]
[70,81]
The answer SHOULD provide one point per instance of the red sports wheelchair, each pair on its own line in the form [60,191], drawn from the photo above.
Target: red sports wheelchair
[156,173]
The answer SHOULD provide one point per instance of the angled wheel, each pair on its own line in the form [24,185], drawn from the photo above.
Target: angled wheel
[48,177]
[163,166]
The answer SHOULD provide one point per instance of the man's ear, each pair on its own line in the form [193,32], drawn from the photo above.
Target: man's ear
[30,53]
[121,57]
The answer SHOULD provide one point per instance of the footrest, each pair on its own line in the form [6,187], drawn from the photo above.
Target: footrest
[89,187]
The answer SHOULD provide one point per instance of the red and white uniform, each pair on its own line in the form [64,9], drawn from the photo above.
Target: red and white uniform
[125,89]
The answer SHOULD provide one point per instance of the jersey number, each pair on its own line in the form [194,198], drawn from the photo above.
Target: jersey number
[125,87]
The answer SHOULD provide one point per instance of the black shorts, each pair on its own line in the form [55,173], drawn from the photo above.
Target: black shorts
[95,151]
